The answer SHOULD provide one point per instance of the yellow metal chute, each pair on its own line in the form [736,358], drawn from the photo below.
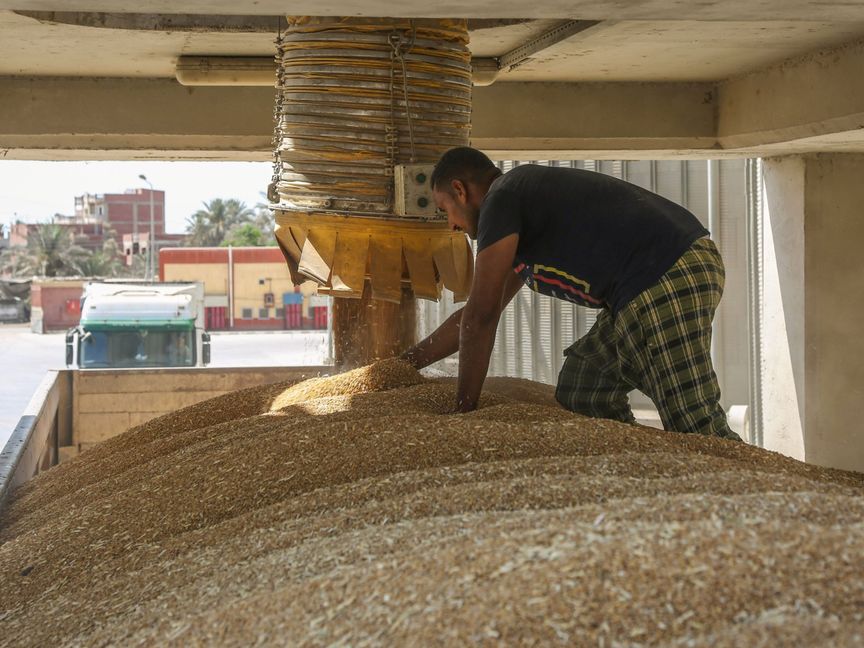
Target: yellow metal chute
[342,252]
[356,98]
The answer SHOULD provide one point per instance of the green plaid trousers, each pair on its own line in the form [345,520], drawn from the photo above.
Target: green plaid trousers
[659,343]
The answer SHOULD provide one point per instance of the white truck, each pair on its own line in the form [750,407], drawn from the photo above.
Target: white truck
[137,325]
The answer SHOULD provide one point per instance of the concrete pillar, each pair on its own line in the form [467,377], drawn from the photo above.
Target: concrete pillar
[813,351]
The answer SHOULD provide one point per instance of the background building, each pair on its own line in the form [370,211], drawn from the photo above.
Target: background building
[56,303]
[246,288]
[17,234]
[125,217]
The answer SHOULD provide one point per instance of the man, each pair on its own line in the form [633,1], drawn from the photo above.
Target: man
[600,242]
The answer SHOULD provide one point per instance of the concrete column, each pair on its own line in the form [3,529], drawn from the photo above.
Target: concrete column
[813,351]
[783,307]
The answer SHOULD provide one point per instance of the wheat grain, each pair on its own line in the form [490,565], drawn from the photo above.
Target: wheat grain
[358,509]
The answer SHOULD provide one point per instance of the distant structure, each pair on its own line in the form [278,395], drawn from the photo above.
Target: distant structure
[247,288]
[125,216]
[16,234]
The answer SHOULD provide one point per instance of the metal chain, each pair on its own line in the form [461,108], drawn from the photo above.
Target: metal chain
[401,48]
[276,143]
[391,133]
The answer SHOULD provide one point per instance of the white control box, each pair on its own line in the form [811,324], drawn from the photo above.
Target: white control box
[414,192]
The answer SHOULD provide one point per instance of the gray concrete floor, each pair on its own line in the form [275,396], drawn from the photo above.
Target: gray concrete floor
[26,357]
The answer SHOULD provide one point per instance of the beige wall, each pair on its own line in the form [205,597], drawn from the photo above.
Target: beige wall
[813,372]
[248,293]
[214,275]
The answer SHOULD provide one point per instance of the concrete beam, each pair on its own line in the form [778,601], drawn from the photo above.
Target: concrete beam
[819,10]
[554,120]
[82,118]
[808,97]
[813,104]
[200,22]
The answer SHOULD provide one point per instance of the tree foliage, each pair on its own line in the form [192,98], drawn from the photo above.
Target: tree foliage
[246,235]
[265,222]
[50,252]
[209,226]
[99,264]
[230,222]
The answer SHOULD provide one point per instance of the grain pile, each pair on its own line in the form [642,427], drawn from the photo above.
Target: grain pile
[358,510]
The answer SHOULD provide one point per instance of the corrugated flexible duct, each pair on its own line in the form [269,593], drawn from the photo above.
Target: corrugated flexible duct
[355,98]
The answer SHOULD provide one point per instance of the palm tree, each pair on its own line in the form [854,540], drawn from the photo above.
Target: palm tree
[50,252]
[98,264]
[264,221]
[15,262]
[54,249]
[207,227]
[257,231]
[245,235]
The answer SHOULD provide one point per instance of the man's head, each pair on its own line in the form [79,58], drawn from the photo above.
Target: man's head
[460,182]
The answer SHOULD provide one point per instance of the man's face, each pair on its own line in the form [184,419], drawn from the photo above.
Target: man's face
[461,205]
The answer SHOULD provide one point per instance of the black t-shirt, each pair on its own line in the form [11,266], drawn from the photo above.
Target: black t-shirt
[585,237]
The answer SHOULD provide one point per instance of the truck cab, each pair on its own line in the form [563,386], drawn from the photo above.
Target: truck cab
[139,326]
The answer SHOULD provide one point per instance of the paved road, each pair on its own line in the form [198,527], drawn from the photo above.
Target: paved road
[268,349]
[25,358]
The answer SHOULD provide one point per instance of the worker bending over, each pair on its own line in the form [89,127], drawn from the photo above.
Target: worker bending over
[596,241]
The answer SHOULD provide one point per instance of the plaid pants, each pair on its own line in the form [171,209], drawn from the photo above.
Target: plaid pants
[659,343]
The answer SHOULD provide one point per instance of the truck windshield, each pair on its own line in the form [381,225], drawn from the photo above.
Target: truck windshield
[137,348]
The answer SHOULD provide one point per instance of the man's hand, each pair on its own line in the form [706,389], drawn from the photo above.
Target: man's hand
[494,286]
[442,342]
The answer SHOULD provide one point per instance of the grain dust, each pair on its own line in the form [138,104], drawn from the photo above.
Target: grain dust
[360,510]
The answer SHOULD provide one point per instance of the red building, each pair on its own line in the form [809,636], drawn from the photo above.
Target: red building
[56,304]
[126,214]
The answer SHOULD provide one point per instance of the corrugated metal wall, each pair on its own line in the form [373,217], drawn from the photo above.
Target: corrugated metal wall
[535,330]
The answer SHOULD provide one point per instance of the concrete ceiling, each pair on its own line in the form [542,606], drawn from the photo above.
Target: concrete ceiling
[684,50]
[646,53]
[644,50]
[703,10]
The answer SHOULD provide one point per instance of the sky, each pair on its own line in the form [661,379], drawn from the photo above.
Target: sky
[34,191]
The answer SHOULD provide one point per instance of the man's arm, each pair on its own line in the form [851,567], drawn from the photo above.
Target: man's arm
[492,275]
[444,341]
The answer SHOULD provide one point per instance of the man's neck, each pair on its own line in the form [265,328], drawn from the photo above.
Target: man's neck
[492,178]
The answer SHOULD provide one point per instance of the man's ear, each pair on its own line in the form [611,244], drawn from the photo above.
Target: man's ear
[459,190]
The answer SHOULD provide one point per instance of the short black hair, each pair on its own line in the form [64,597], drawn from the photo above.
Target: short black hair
[461,163]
